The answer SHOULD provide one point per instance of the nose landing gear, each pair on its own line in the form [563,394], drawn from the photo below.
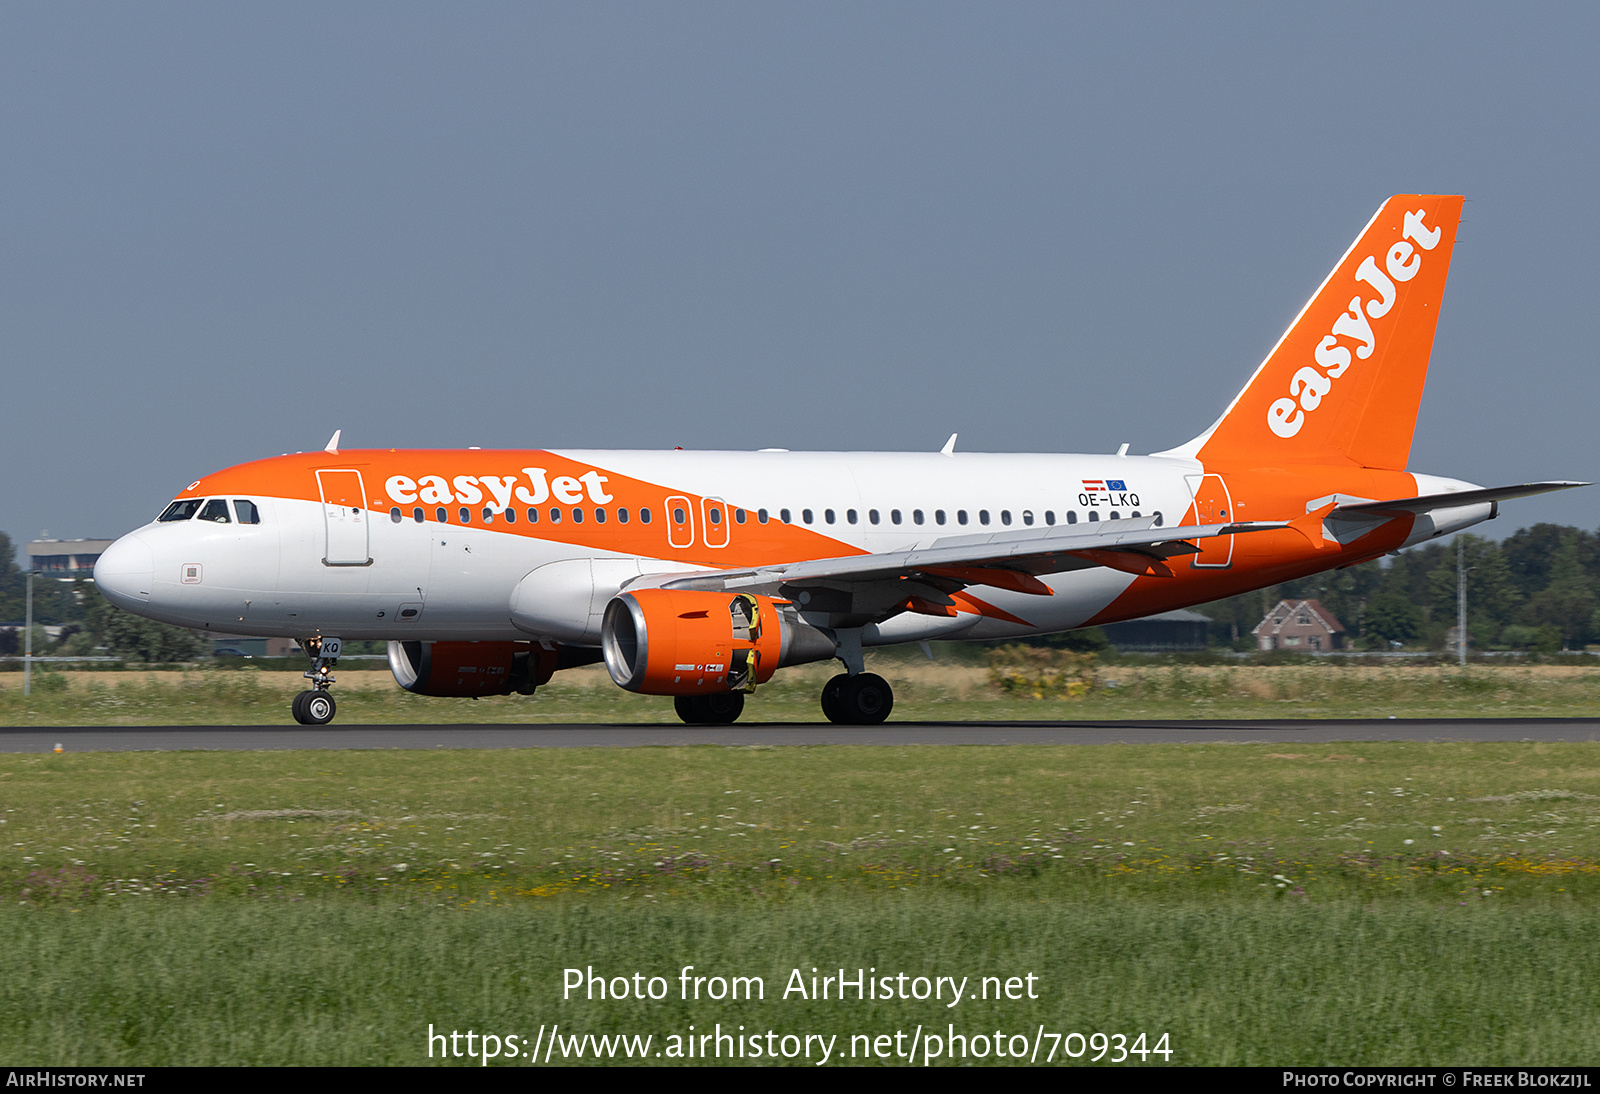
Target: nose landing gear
[316,707]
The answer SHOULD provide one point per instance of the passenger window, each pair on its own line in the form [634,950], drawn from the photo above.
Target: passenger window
[555,515]
[1027,516]
[872,516]
[1136,512]
[1115,515]
[850,515]
[417,514]
[511,516]
[827,514]
[938,516]
[761,516]
[1094,518]
[599,516]
[716,516]
[983,516]
[1158,518]
[181,510]
[533,516]
[1005,516]
[738,516]
[785,516]
[577,515]
[488,515]
[1072,516]
[466,515]
[678,516]
[622,516]
[1050,516]
[247,511]
[805,515]
[916,516]
[644,515]
[894,516]
[442,515]
[394,515]
[961,516]
[216,511]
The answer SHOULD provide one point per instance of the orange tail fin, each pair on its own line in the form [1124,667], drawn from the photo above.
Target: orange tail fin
[1344,381]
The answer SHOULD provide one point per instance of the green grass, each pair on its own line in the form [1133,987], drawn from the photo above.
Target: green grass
[938,691]
[1260,904]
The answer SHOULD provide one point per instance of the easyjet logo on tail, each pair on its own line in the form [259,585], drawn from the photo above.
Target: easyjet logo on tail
[1310,385]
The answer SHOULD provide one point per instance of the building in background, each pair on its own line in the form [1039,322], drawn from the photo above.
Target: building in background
[1303,625]
[1179,630]
[65,558]
[239,645]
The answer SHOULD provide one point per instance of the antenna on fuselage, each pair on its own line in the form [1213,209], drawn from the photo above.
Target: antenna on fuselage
[333,442]
[949,448]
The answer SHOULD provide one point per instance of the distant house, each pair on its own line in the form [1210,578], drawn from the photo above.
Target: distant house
[1179,630]
[1299,625]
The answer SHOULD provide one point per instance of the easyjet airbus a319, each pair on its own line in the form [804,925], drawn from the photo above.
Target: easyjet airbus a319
[700,574]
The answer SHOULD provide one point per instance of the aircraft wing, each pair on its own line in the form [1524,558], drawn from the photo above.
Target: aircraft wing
[1003,559]
[1396,506]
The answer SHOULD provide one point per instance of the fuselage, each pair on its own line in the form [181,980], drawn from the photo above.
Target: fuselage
[486,545]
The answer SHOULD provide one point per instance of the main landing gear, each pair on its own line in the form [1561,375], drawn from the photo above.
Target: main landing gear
[862,699]
[719,708]
[316,707]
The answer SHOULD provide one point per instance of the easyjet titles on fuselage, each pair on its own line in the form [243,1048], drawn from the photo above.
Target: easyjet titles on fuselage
[470,489]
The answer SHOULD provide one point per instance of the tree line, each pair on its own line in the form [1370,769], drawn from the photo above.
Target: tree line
[1535,590]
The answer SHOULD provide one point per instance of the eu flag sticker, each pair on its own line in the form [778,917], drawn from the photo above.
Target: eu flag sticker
[1116,484]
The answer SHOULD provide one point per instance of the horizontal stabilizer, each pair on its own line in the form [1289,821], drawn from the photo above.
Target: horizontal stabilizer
[1422,504]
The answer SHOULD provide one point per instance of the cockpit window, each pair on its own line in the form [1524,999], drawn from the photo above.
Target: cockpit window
[248,513]
[182,510]
[216,510]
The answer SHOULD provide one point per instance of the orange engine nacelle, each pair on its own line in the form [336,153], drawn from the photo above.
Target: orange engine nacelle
[691,642]
[464,669]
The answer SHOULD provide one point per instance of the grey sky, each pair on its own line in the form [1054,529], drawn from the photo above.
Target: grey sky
[228,230]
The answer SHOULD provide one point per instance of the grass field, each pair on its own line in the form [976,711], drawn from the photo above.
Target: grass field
[1259,904]
[934,691]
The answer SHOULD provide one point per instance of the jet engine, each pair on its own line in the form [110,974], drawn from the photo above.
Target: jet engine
[694,642]
[463,669]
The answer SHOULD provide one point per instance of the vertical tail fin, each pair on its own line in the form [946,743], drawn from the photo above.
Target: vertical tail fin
[1344,381]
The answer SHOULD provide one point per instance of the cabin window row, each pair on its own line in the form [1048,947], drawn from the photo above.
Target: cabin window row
[940,516]
[554,515]
[577,515]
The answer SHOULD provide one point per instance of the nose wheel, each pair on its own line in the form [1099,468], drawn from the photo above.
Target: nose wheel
[316,707]
[864,699]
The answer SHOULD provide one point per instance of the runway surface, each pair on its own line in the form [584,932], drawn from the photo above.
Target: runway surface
[173,738]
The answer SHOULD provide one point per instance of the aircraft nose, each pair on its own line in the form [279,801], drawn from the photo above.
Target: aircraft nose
[125,574]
